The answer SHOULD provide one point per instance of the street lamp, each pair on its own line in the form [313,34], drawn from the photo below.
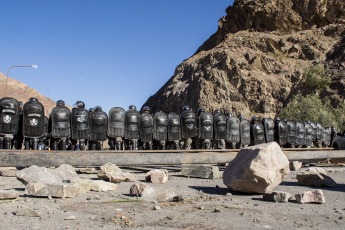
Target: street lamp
[8,71]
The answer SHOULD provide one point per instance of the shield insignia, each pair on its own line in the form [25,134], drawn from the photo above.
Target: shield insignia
[33,122]
[80,119]
[7,119]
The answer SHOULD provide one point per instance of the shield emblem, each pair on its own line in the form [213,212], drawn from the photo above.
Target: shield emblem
[33,122]
[7,119]
[80,119]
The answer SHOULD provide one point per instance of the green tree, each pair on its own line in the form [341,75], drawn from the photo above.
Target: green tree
[314,79]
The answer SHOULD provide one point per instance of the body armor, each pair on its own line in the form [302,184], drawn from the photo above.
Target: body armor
[9,116]
[116,122]
[245,132]
[33,119]
[291,132]
[60,122]
[300,133]
[132,124]
[205,126]
[282,133]
[99,125]
[220,127]
[258,134]
[81,125]
[146,127]
[233,130]
[174,127]
[308,134]
[188,124]
[269,129]
[160,126]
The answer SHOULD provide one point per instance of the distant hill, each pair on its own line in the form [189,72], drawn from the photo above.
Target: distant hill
[23,92]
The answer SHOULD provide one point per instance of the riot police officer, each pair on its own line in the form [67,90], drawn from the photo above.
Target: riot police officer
[174,129]
[257,131]
[205,126]
[81,127]
[146,128]
[160,129]
[99,126]
[233,136]
[188,127]
[220,129]
[9,121]
[280,131]
[116,128]
[244,131]
[132,127]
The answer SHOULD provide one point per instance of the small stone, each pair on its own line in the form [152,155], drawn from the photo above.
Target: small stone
[201,208]
[92,217]
[157,176]
[295,165]
[201,171]
[315,179]
[216,210]
[107,171]
[156,207]
[313,196]
[138,189]
[5,194]
[24,211]
[178,198]
[277,196]
[70,218]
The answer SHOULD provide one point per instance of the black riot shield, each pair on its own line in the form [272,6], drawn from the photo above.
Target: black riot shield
[319,130]
[282,133]
[291,132]
[220,128]
[99,126]
[245,132]
[308,134]
[233,130]
[116,122]
[300,133]
[205,126]
[9,116]
[160,126]
[326,136]
[132,124]
[33,119]
[81,124]
[258,133]
[188,124]
[60,122]
[314,127]
[146,127]
[174,127]
[269,129]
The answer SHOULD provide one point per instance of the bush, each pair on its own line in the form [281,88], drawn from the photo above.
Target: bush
[314,79]
[312,108]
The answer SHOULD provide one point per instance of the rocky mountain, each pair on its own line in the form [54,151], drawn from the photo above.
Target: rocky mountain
[23,92]
[255,61]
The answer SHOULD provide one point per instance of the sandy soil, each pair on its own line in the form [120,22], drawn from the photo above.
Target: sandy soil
[208,204]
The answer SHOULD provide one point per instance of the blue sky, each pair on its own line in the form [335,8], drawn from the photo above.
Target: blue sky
[104,52]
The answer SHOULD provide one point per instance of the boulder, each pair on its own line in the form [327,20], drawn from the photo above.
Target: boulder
[137,189]
[51,190]
[200,171]
[7,194]
[157,176]
[42,175]
[107,171]
[313,196]
[86,185]
[295,165]
[277,196]
[257,169]
[315,179]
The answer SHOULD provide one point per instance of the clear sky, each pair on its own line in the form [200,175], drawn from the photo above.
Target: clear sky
[103,52]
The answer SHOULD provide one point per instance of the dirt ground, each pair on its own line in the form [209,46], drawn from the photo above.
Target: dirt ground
[207,204]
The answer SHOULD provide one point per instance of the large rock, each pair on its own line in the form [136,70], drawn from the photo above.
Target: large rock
[108,170]
[157,176]
[60,190]
[315,179]
[137,189]
[200,171]
[42,175]
[257,169]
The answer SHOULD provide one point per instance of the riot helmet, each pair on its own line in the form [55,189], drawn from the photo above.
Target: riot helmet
[33,99]
[276,119]
[98,108]
[241,117]
[201,110]
[217,111]
[254,119]
[228,115]
[186,107]
[284,120]
[132,107]
[146,109]
[91,110]
[80,104]
[60,103]
[308,122]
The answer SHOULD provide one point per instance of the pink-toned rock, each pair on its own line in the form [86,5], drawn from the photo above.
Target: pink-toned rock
[257,169]
[157,176]
[123,177]
[295,165]
[138,189]
[313,196]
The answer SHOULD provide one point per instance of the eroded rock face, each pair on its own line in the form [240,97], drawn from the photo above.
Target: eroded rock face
[257,169]
[255,61]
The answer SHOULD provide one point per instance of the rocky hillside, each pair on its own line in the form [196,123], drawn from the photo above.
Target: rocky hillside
[254,63]
[22,92]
